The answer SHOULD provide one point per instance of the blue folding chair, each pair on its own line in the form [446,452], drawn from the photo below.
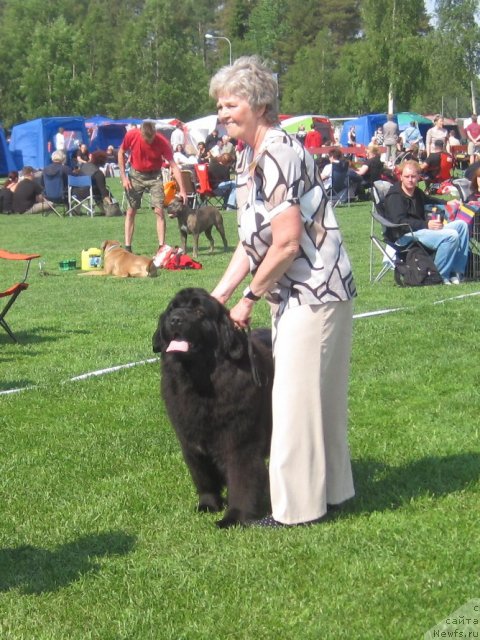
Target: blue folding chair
[80,195]
[55,192]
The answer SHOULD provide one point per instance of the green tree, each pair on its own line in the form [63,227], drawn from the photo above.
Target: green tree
[306,18]
[453,50]
[267,29]
[159,69]
[389,57]
[307,85]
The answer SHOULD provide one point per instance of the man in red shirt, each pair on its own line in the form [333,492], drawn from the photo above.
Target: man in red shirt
[313,139]
[147,150]
[473,135]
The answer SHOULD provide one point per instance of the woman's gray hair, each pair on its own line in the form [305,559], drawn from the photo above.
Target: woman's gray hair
[248,78]
[58,156]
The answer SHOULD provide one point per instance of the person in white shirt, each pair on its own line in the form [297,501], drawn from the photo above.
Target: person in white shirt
[60,140]
[178,136]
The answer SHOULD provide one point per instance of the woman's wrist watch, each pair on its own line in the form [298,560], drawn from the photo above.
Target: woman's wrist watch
[248,293]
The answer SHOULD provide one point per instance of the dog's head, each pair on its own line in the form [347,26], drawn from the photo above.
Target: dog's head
[110,244]
[176,207]
[196,324]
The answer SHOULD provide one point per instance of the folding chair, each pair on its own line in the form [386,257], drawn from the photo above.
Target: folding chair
[339,192]
[389,250]
[189,184]
[77,202]
[54,191]
[204,191]
[460,156]
[15,290]
[463,187]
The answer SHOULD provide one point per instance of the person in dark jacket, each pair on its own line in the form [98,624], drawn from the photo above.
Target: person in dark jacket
[58,167]
[405,203]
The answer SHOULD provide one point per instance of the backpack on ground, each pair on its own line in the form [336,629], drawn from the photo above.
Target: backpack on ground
[416,268]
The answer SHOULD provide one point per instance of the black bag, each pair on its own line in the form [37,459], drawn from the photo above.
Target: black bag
[112,209]
[416,269]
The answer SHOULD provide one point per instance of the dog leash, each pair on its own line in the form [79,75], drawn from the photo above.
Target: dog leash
[256,375]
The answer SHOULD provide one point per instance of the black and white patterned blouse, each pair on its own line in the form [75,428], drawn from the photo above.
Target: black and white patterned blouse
[284,174]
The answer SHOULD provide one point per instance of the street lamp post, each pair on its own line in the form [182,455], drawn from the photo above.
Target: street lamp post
[209,36]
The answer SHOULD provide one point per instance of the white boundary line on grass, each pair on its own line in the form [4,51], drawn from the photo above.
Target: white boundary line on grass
[129,365]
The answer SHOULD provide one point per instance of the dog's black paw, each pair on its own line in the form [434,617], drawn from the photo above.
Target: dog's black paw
[226,523]
[209,503]
[232,518]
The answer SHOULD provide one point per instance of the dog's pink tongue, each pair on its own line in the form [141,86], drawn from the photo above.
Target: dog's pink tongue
[178,345]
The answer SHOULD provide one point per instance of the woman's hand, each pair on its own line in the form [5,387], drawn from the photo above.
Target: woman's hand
[241,313]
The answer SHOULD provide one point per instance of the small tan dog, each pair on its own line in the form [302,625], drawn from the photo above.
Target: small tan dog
[123,264]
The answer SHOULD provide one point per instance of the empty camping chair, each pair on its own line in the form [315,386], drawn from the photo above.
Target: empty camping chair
[80,195]
[12,292]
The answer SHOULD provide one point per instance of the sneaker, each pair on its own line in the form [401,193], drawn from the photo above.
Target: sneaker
[454,280]
[446,281]
[269,521]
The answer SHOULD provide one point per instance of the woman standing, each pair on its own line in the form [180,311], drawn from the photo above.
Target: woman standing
[437,132]
[291,244]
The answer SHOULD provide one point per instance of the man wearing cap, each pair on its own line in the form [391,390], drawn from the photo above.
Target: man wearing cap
[147,151]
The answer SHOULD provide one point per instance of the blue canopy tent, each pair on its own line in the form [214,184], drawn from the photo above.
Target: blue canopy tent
[110,132]
[6,160]
[32,142]
[365,127]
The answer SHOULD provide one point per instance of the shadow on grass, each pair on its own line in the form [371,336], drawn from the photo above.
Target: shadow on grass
[380,487]
[38,335]
[34,571]
[8,385]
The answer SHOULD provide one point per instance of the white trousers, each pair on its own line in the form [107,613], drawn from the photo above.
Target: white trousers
[309,457]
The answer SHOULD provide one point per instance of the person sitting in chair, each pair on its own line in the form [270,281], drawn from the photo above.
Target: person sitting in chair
[219,177]
[28,196]
[58,167]
[111,162]
[7,191]
[92,168]
[339,162]
[431,166]
[405,204]
[370,171]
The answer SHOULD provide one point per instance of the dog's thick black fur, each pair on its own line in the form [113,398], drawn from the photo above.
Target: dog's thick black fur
[195,222]
[221,417]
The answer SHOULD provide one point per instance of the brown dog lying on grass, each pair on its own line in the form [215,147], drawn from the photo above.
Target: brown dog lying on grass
[195,222]
[123,264]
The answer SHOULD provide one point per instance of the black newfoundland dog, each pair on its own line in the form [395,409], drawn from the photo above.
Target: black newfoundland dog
[217,384]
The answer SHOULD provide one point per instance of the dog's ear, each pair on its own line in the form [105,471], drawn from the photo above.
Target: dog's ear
[158,342]
[232,340]
[152,269]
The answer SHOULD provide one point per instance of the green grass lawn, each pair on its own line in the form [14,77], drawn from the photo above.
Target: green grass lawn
[99,538]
